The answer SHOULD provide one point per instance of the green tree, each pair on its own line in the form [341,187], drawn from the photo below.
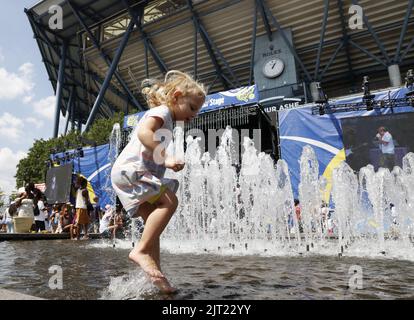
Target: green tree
[2,198]
[102,128]
[33,167]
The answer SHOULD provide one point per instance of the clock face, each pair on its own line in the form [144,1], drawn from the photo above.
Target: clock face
[273,68]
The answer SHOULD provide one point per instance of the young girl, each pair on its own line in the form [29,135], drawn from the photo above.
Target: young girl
[137,174]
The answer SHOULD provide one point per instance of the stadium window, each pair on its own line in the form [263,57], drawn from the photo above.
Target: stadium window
[87,42]
[116,27]
[160,8]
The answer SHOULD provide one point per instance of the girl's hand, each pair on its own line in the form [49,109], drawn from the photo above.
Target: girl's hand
[172,163]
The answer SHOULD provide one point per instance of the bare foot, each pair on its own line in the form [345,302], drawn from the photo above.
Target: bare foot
[147,263]
[163,285]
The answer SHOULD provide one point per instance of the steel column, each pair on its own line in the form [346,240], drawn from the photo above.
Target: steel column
[367,52]
[59,88]
[345,40]
[195,68]
[322,37]
[109,75]
[287,42]
[112,88]
[146,60]
[69,108]
[406,50]
[374,35]
[72,117]
[104,56]
[266,24]
[253,43]
[155,55]
[210,48]
[226,64]
[331,60]
[404,30]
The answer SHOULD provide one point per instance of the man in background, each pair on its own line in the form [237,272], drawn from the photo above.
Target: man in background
[386,145]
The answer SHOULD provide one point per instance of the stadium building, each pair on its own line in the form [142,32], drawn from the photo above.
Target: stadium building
[102,50]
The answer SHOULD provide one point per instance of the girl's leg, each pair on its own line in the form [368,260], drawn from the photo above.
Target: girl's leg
[144,253]
[144,211]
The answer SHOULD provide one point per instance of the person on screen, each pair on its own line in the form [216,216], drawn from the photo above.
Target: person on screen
[386,145]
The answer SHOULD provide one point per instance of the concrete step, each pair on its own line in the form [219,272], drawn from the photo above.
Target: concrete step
[11,295]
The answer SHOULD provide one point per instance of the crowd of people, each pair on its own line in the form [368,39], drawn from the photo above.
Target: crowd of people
[78,218]
[322,214]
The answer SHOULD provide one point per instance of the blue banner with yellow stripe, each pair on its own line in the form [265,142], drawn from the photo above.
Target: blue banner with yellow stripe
[298,128]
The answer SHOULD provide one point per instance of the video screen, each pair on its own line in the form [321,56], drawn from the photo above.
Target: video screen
[382,141]
[58,184]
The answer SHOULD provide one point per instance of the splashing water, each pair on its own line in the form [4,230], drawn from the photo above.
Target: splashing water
[251,210]
[132,286]
[114,145]
[227,208]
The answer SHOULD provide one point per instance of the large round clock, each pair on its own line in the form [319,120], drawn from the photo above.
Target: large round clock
[273,67]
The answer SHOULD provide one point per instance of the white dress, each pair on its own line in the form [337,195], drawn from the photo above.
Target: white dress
[135,175]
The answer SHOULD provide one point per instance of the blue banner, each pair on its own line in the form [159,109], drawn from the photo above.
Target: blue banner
[131,120]
[237,97]
[94,166]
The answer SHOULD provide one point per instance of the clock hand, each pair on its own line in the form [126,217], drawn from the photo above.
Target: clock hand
[274,65]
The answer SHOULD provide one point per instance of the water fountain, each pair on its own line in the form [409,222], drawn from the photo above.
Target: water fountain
[227,206]
[245,211]
[248,211]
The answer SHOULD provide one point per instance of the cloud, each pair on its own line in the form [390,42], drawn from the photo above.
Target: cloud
[45,107]
[8,163]
[28,99]
[11,127]
[17,85]
[34,122]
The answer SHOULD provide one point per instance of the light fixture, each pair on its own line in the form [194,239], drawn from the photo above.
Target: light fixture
[368,98]
[409,79]
[322,101]
[322,97]
[80,152]
[321,109]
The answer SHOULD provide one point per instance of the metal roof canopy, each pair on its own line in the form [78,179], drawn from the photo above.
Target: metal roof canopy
[214,40]
[93,12]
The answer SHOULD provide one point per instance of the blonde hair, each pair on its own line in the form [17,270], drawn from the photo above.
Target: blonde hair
[158,92]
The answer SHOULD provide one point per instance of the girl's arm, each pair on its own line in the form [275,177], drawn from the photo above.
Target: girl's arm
[146,133]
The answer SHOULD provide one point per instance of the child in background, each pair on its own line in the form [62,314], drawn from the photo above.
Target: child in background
[138,173]
[82,199]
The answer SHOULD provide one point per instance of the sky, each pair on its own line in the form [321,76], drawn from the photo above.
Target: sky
[27,101]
